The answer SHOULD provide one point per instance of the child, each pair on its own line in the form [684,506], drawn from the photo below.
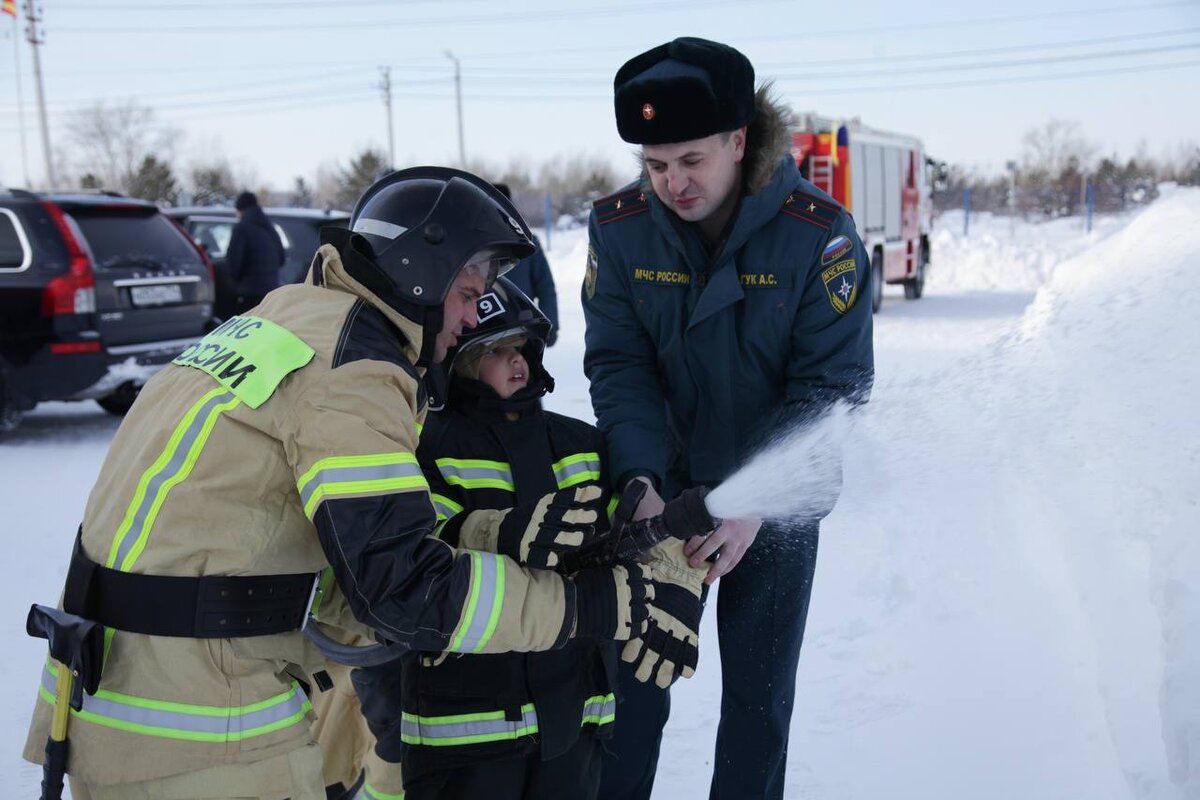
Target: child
[519,725]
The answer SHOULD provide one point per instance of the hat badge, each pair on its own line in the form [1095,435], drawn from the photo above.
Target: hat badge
[647,112]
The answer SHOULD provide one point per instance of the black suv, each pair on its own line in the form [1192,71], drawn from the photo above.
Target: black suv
[97,292]
[299,229]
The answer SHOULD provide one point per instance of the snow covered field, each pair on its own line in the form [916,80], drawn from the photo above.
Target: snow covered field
[1007,602]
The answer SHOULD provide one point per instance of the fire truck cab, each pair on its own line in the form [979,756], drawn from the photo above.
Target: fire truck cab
[882,179]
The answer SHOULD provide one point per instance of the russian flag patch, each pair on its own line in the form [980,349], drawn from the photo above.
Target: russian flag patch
[838,246]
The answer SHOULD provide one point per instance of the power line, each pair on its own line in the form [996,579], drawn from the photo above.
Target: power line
[322,6]
[1002,80]
[592,12]
[258,106]
[766,68]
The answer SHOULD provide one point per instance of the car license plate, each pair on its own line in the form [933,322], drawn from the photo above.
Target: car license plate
[156,295]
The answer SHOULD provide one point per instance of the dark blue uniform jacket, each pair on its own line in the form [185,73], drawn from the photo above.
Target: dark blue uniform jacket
[532,276]
[694,357]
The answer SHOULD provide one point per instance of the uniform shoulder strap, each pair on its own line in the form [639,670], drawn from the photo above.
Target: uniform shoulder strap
[622,204]
[814,209]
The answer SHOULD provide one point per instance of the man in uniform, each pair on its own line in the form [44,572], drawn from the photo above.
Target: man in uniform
[279,447]
[723,301]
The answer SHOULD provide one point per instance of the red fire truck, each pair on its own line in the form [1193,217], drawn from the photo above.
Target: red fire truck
[882,179]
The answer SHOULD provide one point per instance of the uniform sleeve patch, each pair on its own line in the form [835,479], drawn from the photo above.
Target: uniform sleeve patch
[838,246]
[589,274]
[841,284]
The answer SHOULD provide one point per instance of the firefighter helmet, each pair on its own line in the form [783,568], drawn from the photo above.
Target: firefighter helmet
[423,224]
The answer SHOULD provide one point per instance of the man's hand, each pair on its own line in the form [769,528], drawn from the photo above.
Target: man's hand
[652,505]
[732,538]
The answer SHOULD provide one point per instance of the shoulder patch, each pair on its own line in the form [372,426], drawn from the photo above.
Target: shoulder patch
[625,203]
[819,211]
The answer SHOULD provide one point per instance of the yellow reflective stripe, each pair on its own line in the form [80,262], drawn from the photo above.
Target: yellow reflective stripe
[577,469]
[599,709]
[458,729]
[473,473]
[186,721]
[485,600]
[444,506]
[172,466]
[492,726]
[612,506]
[369,792]
[380,473]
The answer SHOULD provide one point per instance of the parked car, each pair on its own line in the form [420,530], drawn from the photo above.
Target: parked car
[97,292]
[299,229]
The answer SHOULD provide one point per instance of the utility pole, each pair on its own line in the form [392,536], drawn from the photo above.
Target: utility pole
[20,104]
[462,149]
[385,85]
[1012,198]
[31,32]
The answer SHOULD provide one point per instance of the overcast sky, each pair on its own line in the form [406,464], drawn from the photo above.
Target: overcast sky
[282,87]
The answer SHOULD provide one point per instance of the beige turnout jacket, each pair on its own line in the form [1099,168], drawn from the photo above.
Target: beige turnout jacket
[283,443]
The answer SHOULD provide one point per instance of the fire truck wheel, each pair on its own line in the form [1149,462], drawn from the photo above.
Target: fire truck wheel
[876,281]
[914,286]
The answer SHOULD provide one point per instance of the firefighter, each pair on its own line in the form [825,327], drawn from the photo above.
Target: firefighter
[724,299]
[278,449]
[536,720]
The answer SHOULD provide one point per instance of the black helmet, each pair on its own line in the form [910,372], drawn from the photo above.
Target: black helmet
[505,312]
[424,223]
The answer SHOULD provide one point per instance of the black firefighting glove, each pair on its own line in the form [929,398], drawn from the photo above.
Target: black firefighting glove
[535,533]
[669,649]
[611,602]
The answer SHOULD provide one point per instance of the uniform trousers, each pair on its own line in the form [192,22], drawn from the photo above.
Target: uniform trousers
[762,606]
[575,775]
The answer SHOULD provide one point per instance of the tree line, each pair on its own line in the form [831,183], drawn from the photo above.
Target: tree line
[1057,166]
[125,148]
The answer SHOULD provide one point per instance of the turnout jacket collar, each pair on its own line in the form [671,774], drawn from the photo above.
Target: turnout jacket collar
[328,265]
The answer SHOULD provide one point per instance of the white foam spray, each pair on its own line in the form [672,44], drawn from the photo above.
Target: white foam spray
[797,473]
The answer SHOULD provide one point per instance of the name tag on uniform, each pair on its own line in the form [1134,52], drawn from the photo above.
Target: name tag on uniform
[765,280]
[249,356]
[661,277]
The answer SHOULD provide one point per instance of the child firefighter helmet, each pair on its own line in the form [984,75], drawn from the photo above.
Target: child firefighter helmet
[506,317]
[423,224]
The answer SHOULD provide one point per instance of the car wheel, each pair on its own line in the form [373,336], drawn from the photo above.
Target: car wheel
[121,400]
[10,416]
[876,281]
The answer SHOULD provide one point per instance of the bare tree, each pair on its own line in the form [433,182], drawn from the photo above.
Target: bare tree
[111,142]
[1051,148]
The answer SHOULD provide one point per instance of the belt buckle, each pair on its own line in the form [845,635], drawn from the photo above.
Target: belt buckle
[312,598]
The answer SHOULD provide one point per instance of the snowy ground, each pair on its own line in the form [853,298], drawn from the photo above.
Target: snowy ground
[1006,603]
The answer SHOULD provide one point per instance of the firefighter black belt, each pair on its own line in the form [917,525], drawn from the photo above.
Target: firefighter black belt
[205,607]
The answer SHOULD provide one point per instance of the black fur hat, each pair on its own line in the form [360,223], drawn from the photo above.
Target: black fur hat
[683,90]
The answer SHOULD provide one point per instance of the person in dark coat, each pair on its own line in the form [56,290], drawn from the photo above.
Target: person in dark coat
[533,277]
[255,253]
[726,298]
